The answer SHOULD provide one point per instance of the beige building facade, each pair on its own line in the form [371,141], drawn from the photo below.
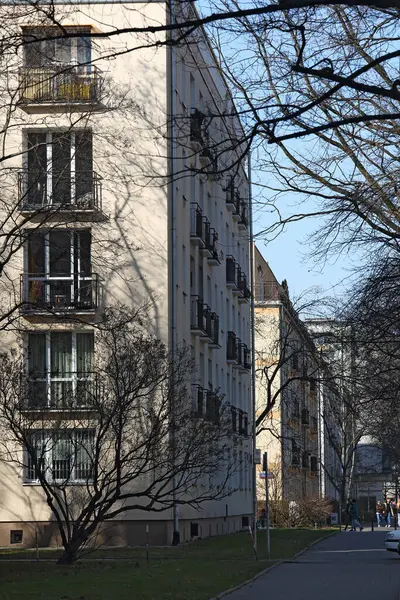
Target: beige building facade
[119,143]
[286,370]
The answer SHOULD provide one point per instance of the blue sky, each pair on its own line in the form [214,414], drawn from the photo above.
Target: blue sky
[288,257]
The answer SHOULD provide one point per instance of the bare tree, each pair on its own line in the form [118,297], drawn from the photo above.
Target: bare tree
[128,436]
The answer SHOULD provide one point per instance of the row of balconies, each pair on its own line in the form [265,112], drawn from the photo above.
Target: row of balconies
[236,280]
[203,235]
[237,353]
[207,404]
[240,421]
[304,416]
[237,205]
[304,459]
[204,322]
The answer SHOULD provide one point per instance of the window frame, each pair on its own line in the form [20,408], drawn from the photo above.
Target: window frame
[48,467]
[74,379]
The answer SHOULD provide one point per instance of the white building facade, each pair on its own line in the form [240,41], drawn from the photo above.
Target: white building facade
[120,169]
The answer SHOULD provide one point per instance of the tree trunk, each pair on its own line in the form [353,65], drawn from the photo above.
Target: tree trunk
[70,554]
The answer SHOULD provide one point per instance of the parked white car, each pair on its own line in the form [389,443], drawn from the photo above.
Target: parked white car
[392,540]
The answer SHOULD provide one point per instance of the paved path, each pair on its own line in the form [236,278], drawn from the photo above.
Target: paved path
[347,566]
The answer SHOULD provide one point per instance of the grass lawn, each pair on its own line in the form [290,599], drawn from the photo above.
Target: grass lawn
[194,571]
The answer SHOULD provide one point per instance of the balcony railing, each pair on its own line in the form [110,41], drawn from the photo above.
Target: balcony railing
[243,422]
[236,280]
[314,464]
[198,394]
[67,390]
[243,215]
[233,198]
[44,190]
[60,84]
[244,356]
[75,293]
[234,415]
[213,406]
[204,322]
[232,348]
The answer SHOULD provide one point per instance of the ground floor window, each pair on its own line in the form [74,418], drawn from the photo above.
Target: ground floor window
[65,456]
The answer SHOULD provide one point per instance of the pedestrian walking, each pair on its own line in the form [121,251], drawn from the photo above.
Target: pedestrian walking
[353,512]
[380,514]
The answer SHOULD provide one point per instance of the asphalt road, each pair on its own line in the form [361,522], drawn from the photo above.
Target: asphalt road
[347,566]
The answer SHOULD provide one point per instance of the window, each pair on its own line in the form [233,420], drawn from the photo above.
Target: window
[59,169]
[65,456]
[60,369]
[58,271]
[49,50]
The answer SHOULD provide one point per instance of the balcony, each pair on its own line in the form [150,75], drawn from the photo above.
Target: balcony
[43,191]
[210,250]
[243,422]
[198,394]
[203,235]
[69,390]
[295,458]
[243,353]
[204,322]
[196,224]
[54,86]
[305,416]
[232,349]
[232,200]
[214,343]
[243,222]
[234,415]
[67,294]
[213,402]
[236,280]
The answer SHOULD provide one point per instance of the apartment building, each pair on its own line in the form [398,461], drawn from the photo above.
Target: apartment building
[117,178]
[287,373]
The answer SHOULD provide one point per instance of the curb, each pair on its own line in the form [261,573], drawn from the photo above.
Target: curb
[264,571]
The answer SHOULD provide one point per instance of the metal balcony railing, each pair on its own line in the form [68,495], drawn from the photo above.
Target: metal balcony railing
[65,390]
[60,84]
[245,356]
[38,190]
[243,422]
[236,279]
[234,416]
[198,393]
[243,214]
[72,293]
[314,464]
[214,331]
[213,406]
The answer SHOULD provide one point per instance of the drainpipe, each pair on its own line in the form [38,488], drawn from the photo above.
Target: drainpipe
[253,355]
[172,242]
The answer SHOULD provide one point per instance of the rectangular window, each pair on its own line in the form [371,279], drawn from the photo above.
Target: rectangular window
[59,169]
[58,271]
[60,369]
[65,456]
[43,48]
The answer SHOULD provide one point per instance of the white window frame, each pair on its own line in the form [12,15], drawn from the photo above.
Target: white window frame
[72,277]
[48,463]
[74,379]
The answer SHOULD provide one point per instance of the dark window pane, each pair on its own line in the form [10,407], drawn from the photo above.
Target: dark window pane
[37,354]
[83,252]
[61,167]
[83,166]
[37,166]
[60,253]
[61,354]
[84,351]
[36,253]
